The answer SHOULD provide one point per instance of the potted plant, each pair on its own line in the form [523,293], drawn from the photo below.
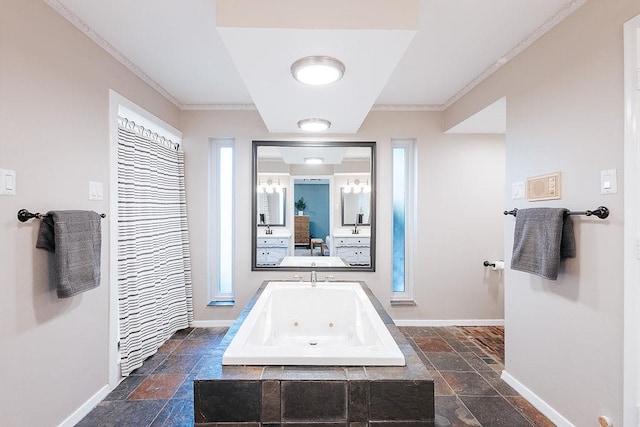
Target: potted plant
[301,205]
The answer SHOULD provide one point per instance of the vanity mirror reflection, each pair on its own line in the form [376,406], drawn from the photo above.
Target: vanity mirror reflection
[271,205]
[356,207]
[336,229]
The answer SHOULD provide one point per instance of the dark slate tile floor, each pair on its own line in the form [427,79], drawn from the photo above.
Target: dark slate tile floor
[468,388]
[466,368]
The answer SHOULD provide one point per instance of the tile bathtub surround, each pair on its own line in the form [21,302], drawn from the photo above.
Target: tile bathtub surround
[315,395]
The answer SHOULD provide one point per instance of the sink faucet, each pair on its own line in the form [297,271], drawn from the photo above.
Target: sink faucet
[269,230]
[355,228]
[314,278]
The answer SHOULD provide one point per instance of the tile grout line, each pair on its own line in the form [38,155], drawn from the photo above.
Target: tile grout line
[482,376]
[444,379]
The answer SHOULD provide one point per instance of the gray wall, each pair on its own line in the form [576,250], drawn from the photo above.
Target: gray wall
[54,99]
[54,118]
[459,212]
[564,339]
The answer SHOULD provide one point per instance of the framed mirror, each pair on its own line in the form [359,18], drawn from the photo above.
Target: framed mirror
[314,207]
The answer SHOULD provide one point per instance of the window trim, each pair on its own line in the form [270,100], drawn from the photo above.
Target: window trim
[406,297]
[216,296]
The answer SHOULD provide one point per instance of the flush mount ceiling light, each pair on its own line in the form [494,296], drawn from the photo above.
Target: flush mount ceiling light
[314,125]
[317,70]
[313,160]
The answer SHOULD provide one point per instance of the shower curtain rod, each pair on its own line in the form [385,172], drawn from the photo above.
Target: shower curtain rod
[601,212]
[147,133]
[24,215]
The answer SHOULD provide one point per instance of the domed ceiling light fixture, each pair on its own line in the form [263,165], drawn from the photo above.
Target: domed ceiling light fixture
[314,160]
[314,125]
[317,70]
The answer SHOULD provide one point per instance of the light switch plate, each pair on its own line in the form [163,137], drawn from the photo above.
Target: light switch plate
[517,190]
[96,191]
[544,187]
[7,182]
[609,181]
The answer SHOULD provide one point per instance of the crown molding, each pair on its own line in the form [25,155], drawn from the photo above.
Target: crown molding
[252,107]
[406,107]
[110,49]
[558,17]
[219,107]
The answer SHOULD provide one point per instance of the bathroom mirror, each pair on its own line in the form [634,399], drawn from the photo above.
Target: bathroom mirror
[356,207]
[271,206]
[319,232]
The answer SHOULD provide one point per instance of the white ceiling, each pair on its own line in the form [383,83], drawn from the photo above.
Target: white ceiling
[176,47]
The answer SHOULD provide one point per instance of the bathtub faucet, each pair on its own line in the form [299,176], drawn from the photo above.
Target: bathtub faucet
[314,278]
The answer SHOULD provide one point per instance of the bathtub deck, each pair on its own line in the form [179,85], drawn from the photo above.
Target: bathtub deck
[315,394]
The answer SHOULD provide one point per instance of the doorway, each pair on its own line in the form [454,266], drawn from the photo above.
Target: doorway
[312,223]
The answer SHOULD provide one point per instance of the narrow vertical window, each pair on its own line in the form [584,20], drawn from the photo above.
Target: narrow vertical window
[399,218]
[402,199]
[222,174]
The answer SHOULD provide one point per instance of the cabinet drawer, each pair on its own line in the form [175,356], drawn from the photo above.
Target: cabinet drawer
[352,241]
[272,242]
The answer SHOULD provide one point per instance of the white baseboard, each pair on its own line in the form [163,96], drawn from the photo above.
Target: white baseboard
[86,407]
[212,323]
[447,322]
[536,401]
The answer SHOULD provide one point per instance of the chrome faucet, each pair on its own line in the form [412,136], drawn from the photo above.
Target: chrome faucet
[269,230]
[314,278]
[355,228]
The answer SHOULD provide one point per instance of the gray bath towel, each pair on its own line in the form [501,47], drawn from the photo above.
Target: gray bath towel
[542,237]
[75,238]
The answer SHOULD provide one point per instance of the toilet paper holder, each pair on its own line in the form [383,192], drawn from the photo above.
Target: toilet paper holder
[494,265]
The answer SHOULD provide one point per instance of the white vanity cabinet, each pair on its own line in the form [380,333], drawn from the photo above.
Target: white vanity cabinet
[271,250]
[355,250]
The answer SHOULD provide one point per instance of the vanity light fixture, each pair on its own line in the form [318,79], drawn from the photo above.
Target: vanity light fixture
[357,187]
[314,125]
[317,70]
[313,160]
[269,186]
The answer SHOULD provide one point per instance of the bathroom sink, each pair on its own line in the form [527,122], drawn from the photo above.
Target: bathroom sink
[262,232]
[348,232]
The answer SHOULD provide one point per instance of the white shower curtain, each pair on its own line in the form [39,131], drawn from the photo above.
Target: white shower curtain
[154,267]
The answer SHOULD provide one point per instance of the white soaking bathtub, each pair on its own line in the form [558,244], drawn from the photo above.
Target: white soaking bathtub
[294,323]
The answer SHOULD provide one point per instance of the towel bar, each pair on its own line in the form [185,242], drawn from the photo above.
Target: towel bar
[24,215]
[601,212]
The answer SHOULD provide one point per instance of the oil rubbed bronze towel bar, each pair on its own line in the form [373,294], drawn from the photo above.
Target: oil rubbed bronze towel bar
[602,212]
[24,215]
